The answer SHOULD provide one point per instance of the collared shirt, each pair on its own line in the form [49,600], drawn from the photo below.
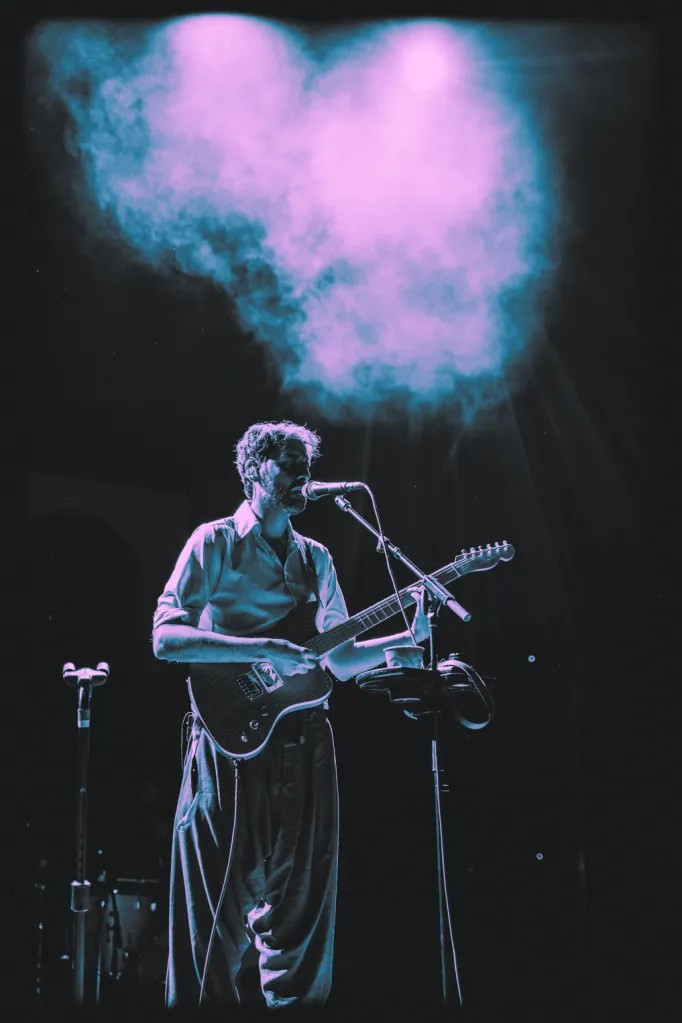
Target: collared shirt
[229,580]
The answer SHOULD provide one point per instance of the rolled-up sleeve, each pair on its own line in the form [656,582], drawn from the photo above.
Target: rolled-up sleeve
[192,581]
[332,610]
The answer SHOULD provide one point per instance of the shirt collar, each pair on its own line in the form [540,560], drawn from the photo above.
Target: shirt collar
[246,520]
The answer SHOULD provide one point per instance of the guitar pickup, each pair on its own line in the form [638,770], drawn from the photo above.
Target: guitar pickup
[251,688]
[267,676]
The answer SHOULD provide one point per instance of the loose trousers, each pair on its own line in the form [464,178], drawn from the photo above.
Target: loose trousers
[281,890]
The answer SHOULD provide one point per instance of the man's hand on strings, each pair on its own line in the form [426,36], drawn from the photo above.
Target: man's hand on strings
[289,658]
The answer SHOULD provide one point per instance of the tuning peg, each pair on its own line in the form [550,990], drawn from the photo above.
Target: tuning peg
[472,550]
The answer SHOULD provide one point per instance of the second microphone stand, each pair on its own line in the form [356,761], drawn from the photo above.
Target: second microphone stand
[83,680]
[428,702]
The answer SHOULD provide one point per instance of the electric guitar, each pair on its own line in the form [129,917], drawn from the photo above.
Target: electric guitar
[240,704]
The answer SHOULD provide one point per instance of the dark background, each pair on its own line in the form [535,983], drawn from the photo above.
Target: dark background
[128,410]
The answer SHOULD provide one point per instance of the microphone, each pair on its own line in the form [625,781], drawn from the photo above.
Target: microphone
[312,490]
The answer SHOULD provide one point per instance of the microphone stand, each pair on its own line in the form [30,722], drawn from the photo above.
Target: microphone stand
[83,680]
[437,597]
[435,589]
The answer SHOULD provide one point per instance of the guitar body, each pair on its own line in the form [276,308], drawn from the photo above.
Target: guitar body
[240,704]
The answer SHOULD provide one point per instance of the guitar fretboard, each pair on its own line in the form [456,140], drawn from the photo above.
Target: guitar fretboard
[379,612]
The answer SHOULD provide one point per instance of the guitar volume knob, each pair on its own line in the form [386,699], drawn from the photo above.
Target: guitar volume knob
[254,724]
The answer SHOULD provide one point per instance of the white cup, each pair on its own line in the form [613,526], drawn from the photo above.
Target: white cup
[406,655]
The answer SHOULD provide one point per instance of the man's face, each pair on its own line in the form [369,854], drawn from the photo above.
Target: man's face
[282,476]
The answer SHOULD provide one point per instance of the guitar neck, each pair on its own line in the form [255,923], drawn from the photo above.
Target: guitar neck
[377,613]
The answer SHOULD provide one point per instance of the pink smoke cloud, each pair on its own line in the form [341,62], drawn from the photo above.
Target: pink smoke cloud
[396,196]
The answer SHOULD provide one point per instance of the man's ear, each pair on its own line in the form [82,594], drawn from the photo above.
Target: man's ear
[251,470]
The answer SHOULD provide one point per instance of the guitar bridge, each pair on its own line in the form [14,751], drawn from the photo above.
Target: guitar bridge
[267,676]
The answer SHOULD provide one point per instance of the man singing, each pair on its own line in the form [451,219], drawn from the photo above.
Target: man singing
[273,817]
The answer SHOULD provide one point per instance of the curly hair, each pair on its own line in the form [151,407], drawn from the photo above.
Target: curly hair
[263,440]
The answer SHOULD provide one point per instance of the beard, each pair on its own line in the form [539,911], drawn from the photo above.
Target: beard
[278,495]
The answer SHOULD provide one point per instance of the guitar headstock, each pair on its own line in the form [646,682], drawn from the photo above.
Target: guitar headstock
[478,559]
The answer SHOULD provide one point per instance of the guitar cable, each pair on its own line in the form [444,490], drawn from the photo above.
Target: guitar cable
[483,691]
[186,726]
[381,546]
[223,891]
